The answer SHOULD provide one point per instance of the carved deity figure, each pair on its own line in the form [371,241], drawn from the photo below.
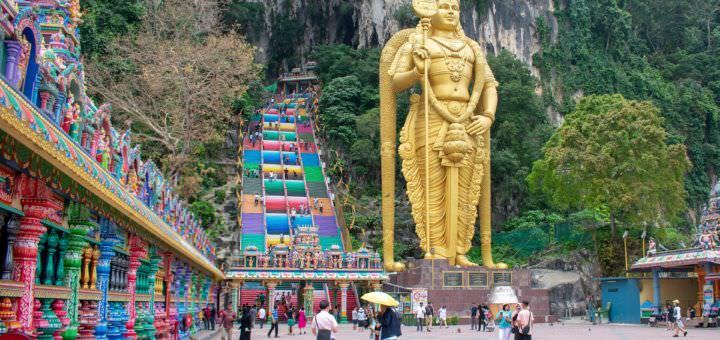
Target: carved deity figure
[445,140]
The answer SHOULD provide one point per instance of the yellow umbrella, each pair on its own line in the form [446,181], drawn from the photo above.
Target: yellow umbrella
[380,298]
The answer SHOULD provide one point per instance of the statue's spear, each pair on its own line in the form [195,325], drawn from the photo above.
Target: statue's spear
[426,9]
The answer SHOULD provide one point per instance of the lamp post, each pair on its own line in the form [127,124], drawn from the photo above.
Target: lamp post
[625,236]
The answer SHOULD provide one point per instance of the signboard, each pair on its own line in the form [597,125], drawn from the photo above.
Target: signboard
[502,278]
[452,279]
[709,293]
[419,295]
[477,279]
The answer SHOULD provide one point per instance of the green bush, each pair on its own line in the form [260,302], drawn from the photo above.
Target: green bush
[219,196]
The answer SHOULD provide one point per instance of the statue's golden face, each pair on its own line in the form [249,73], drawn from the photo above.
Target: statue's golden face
[447,16]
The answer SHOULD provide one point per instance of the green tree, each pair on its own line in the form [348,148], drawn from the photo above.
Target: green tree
[519,132]
[103,20]
[611,153]
[339,105]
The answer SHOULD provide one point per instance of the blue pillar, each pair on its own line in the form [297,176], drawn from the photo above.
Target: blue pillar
[103,275]
[656,287]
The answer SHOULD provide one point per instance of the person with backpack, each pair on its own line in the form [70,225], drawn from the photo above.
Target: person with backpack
[525,321]
[389,321]
[324,323]
[429,314]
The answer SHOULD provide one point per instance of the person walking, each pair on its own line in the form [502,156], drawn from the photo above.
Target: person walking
[442,315]
[212,315]
[525,321]
[246,323]
[677,315]
[419,317]
[301,321]
[362,319]
[429,314]
[473,316]
[389,321]
[227,320]
[482,318]
[503,319]
[290,320]
[261,316]
[273,316]
[324,324]
[355,318]
[253,315]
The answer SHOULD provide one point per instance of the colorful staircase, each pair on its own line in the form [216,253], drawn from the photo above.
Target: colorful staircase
[284,168]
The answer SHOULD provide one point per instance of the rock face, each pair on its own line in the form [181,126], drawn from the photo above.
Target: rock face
[496,24]
[570,281]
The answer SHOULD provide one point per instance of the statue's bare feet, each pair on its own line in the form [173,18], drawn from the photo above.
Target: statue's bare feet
[394,266]
[492,265]
[429,256]
[462,261]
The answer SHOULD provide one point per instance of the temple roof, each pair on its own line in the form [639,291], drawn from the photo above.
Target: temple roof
[678,258]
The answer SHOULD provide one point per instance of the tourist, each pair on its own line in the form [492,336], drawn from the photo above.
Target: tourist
[669,319]
[273,315]
[324,324]
[246,323]
[690,313]
[261,316]
[503,319]
[525,321]
[301,321]
[354,317]
[429,314]
[419,317]
[212,317]
[389,321]
[361,318]
[227,319]
[442,314]
[677,315]
[257,199]
[482,318]
[290,314]
[201,316]
[253,315]
[474,316]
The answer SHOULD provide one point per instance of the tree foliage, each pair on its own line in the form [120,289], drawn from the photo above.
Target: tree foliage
[612,153]
[104,20]
[664,51]
[175,80]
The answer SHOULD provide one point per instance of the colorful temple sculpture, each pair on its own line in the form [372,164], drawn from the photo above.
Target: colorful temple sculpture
[293,251]
[94,243]
[699,264]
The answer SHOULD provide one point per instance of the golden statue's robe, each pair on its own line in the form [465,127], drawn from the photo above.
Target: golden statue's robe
[471,170]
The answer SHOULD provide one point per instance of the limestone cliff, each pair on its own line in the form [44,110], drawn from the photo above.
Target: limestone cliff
[496,24]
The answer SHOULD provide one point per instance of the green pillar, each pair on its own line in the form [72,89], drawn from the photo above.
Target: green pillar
[155,260]
[80,224]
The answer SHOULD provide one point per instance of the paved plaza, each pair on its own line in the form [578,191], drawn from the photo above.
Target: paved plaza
[542,331]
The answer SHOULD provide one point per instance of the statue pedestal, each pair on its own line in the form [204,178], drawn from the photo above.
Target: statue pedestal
[458,288]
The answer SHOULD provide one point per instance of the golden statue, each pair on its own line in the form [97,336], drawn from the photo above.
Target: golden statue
[450,180]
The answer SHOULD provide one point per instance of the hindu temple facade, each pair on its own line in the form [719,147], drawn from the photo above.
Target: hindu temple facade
[94,243]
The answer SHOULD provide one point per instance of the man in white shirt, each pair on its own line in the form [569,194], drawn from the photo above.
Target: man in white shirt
[420,317]
[442,314]
[679,326]
[261,316]
[324,324]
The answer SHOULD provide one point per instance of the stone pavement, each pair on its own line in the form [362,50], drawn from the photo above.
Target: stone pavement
[541,332]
